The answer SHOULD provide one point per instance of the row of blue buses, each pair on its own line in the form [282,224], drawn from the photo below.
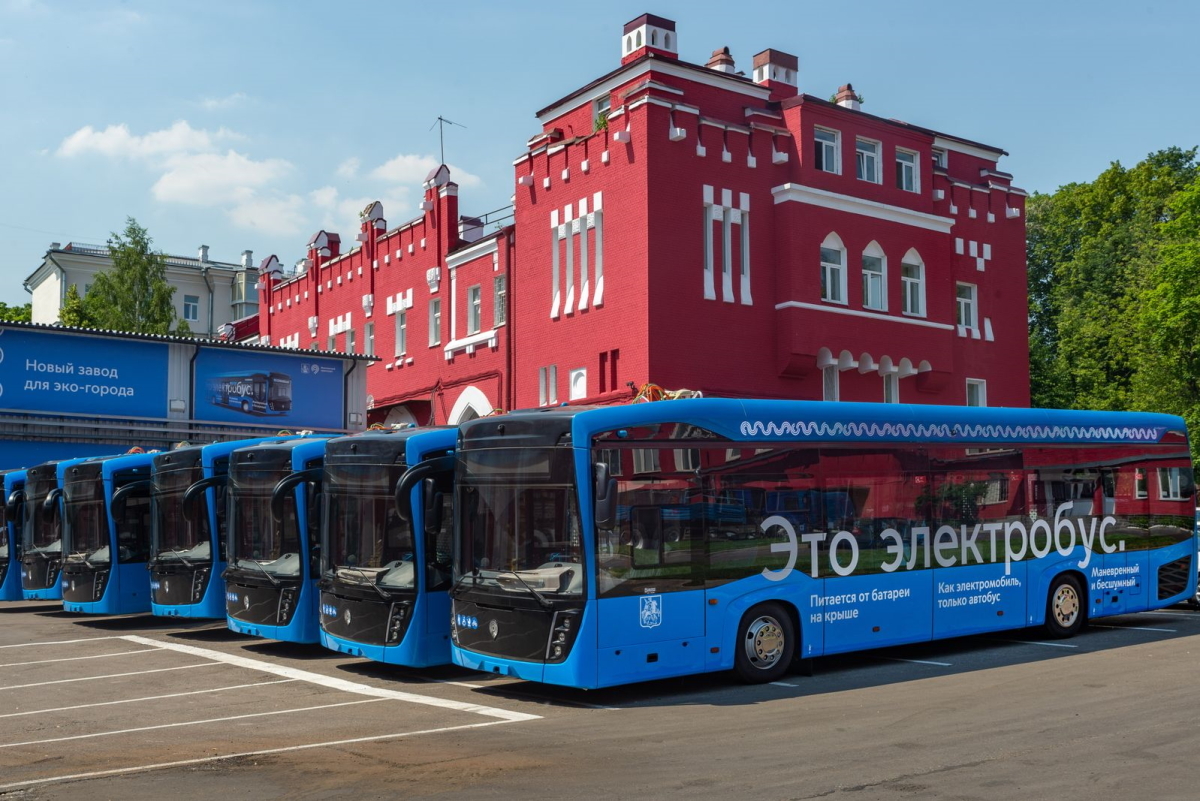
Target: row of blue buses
[592,547]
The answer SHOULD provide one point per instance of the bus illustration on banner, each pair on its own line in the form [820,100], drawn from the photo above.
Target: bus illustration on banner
[253,393]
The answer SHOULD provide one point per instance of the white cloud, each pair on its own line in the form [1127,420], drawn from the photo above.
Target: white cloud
[349,168]
[408,168]
[116,141]
[277,213]
[341,213]
[210,179]
[219,103]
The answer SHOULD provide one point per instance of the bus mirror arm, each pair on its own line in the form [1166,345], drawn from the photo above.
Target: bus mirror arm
[121,495]
[606,495]
[50,505]
[286,485]
[191,495]
[418,473]
[13,505]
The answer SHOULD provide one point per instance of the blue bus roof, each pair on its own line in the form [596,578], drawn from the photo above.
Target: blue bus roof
[12,478]
[302,449]
[818,421]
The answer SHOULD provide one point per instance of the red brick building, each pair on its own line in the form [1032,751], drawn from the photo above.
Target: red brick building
[690,226]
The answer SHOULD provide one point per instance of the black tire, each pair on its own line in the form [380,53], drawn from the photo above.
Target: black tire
[1066,607]
[1195,600]
[766,643]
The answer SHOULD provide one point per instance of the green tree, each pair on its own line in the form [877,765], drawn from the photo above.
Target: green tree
[1090,254]
[16,314]
[76,310]
[1167,378]
[133,296]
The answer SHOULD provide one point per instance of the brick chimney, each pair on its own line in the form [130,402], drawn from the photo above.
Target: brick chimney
[721,61]
[203,256]
[441,209]
[848,98]
[649,34]
[777,71]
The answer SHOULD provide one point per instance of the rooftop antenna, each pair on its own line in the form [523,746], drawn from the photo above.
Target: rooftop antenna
[442,122]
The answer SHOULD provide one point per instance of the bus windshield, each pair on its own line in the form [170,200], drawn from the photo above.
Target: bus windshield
[86,521]
[258,541]
[519,518]
[42,533]
[179,536]
[368,541]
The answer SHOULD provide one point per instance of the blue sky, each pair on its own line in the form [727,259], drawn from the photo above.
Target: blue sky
[253,124]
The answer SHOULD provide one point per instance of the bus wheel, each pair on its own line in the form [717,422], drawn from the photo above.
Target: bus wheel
[766,642]
[1065,610]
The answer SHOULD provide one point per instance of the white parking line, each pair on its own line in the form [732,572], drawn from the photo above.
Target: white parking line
[146,698]
[191,723]
[783,684]
[242,755]
[332,682]
[59,642]
[1047,644]
[109,676]
[77,658]
[1131,628]
[915,661]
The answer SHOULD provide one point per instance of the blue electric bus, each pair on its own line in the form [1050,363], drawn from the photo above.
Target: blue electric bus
[106,534]
[921,522]
[253,393]
[274,514]
[386,545]
[10,535]
[187,534]
[41,534]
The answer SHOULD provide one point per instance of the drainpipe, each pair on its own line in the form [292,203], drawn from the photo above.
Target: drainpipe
[346,394]
[191,398]
[204,275]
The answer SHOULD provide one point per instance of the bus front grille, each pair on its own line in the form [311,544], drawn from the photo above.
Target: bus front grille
[1173,577]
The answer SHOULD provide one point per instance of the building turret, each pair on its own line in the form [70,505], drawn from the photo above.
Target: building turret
[778,71]
[649,34]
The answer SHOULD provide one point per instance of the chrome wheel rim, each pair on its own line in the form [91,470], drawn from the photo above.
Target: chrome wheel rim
[1066,606]
[764,642]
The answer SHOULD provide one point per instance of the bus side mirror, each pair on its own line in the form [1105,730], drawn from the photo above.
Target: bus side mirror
[50,504]
[606,497]
[13,506]
[432,502]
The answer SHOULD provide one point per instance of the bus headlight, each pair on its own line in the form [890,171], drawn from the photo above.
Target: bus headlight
[397,623]
[562,634]
[98,581]
[287,602]
[199,582]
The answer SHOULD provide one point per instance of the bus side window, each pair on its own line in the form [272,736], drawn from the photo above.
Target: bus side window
[439,548]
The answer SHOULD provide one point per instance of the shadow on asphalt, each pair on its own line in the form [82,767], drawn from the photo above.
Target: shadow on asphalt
[134,622]
[290,650]
[862,669]
[441,673]
[40,609]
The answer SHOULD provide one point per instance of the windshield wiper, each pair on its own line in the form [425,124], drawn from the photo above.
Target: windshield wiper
[367,579]
[541,599]
[267,573]
[179,555]
[473,575]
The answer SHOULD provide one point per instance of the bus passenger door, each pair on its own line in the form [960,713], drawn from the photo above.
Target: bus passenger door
[651,595]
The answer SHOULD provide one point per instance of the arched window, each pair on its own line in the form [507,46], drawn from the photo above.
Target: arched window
[639,39]
[628,44]
[874,278]
[833,269]
[667,41]
[912,282]
[654,38]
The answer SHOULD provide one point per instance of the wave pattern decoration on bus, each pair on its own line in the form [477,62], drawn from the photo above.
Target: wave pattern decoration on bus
[750,428]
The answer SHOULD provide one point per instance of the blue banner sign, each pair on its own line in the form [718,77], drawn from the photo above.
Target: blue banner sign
[256,387]
[44,371]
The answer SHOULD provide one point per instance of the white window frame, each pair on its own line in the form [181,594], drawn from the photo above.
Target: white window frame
[435,322]
[980,386]
[191,302]
[474,308]
[829,151]
[874,283]
[891,388]
[1170,484]
[646,460]
[349,340]
[548,385]
[401,333]
[867,161]
[332,343]
[913,288]
[909,170]
[499,301]
[833,276]
[939,158]
[369,339]
[966,309]
[1141,483]
[831,383]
